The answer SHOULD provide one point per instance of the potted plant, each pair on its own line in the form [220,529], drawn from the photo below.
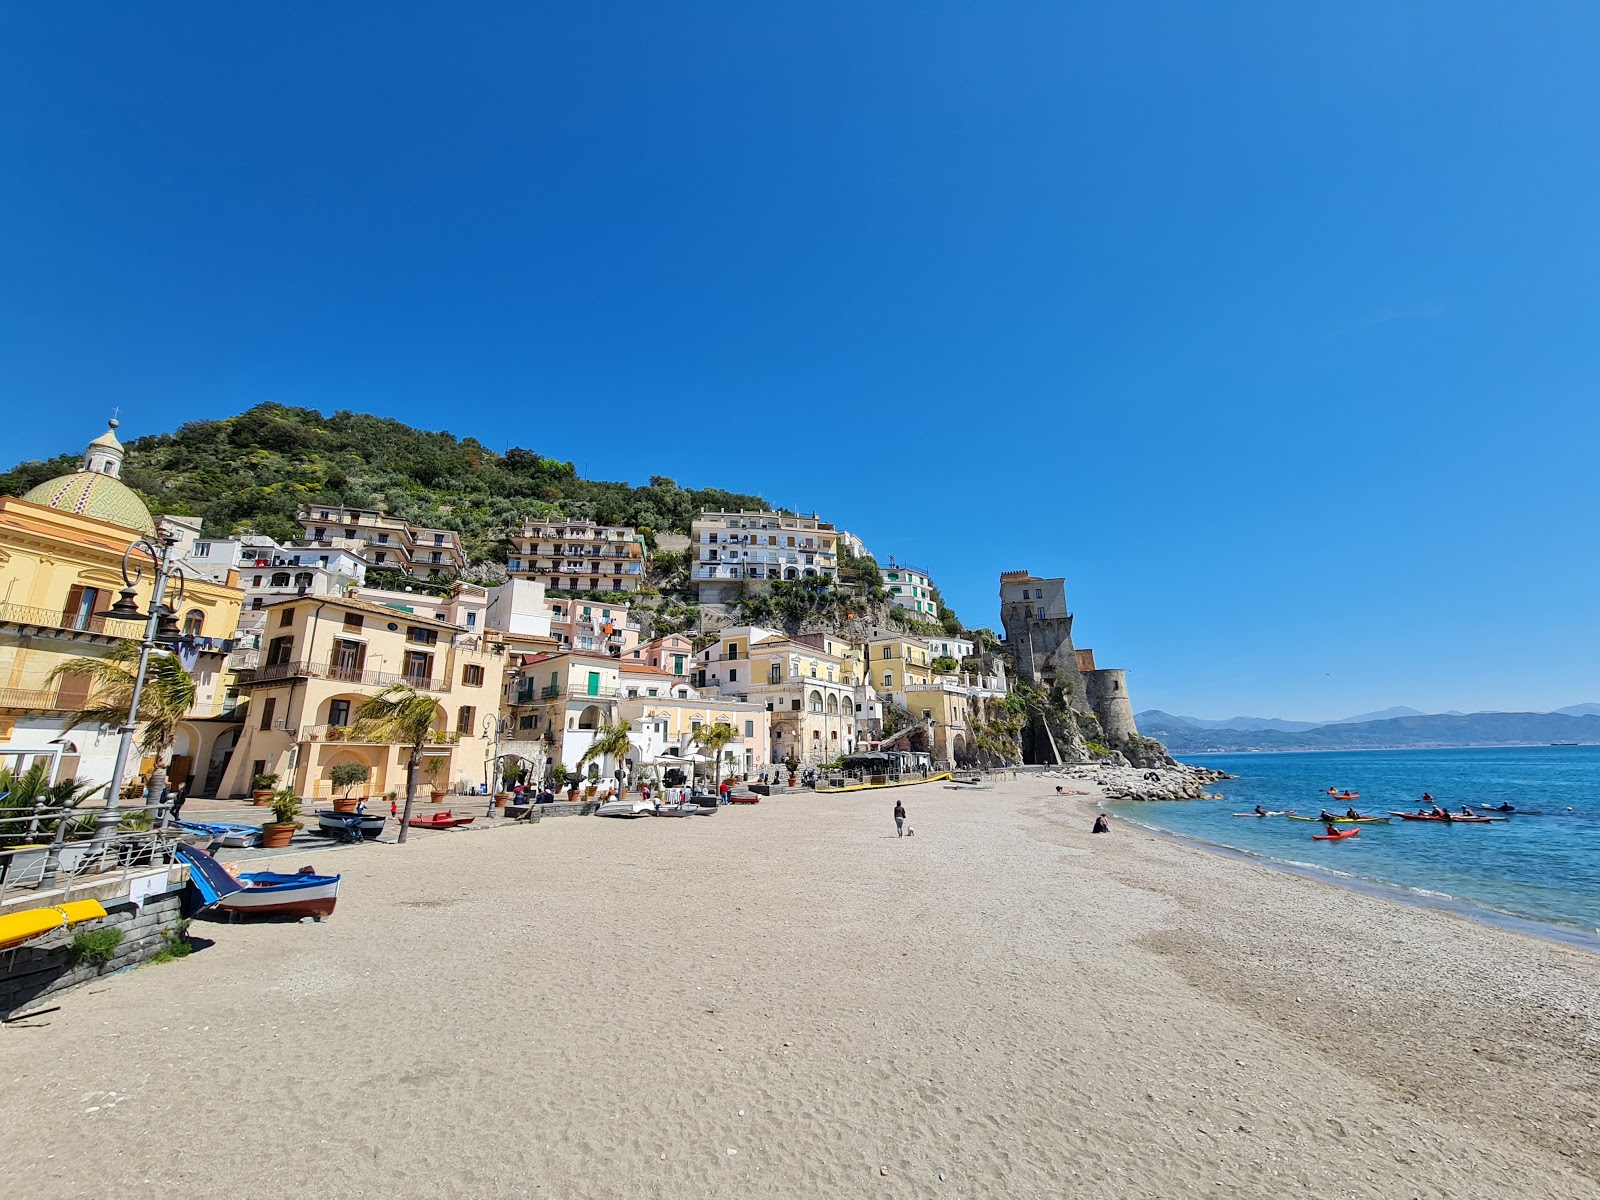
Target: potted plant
[262,787]
[285,808]
[346,775]
[433,768]
[792,765]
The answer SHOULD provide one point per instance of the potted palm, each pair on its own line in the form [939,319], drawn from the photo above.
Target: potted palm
[433,768]
[285,806]
[610,741]
[262,786]
[399,714]
[792,765]
[347,775]
[714,737]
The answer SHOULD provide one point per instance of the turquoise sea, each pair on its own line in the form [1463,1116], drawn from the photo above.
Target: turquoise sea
[1544,868]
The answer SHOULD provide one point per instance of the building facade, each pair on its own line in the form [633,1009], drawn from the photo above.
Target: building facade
[911,589]
[322,658]
[579,556]
[384,541]
[733,551]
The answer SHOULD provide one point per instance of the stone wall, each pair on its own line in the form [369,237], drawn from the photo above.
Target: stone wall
[43,968]
[1108,696]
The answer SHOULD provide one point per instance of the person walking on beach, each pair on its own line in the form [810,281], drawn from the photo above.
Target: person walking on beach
[899,819]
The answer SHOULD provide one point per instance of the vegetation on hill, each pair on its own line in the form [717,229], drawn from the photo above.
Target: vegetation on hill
[252,473]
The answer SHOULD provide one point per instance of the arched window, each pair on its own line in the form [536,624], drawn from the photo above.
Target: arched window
[833,706]
[193,622]
[280,579]
[816,702]
[302,579]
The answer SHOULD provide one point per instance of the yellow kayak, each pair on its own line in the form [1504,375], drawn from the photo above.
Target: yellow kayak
[19,927]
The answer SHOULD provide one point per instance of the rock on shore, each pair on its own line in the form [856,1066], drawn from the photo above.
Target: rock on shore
[1180,782]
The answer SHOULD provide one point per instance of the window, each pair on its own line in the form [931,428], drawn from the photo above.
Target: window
[733,649]
[888,679]
[464,716]
[280,579]
[383,539]
[268,707]
[339,713]
[419,668]
[349,533]
[677,664]
[194,620]
[256,582]
[694,725]
[633,693]
[349,657]
[202,549]
[733,674]
[287,618]
[423,637]
[280,651]
[353,621]
[302,579]
[435,557]
[749,729]
[472,675]
[382,558]
[256,602]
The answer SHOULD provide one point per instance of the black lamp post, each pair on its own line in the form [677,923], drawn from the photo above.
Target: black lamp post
[160,628]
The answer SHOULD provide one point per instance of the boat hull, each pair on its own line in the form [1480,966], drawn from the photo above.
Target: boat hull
[336,824]
[269,895]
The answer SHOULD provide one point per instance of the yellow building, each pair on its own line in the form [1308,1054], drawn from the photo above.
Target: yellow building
[61,548]
[897,662]
[322,657]
[806,689]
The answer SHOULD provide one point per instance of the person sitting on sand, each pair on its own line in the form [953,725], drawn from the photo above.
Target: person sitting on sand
[1058,789]
[1101,825]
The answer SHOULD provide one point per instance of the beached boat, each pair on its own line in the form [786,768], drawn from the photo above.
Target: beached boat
[260,893]
[743,798]
[626,808]
[440,820]
[341,825]
[1335,837]
[678,810]
[24,926]
[224,833]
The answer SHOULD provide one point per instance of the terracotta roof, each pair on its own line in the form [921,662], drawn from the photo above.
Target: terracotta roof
[382,610]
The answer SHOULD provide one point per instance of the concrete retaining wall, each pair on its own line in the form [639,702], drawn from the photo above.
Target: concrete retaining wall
[42,968]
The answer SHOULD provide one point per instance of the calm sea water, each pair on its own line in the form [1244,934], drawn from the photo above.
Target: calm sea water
[1545,868]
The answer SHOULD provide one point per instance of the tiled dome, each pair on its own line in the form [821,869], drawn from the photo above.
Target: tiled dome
[95,491]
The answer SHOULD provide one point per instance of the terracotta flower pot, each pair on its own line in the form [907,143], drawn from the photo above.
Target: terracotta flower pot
[438,797]
[261,797]
[500,801]
[346,804]
[275,837]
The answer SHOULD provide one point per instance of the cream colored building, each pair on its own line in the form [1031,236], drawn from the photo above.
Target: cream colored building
[649,693]
[806,690]
[61,548]
[386,542]
[322,657]
[733,550]
[564,699]
[579,556]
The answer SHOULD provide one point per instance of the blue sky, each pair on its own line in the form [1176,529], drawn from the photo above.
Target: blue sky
[1271,329]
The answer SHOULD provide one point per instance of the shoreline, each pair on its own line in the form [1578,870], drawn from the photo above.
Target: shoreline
[1573,936]
[1180,755]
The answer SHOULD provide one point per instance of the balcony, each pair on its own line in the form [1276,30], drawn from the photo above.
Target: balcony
[556,691]
[54,618]
[348,733]
[40,700]
[277,672]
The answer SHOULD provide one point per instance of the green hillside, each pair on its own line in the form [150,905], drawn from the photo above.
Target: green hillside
[252,473]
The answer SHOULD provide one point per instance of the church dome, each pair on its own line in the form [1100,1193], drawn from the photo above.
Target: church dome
[94,490]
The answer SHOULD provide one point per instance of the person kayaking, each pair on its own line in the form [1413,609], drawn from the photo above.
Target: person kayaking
[1327,818]
[1260,812]
[1427,797]
[1506,808]
[1332,831]
[1352,813]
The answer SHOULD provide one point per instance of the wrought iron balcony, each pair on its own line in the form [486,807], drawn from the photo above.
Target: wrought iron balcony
[277,672]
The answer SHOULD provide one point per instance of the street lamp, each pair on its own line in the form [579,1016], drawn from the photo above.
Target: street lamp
[160,626]
[493,727]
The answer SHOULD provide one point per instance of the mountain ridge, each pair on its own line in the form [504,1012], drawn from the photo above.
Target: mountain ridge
[1425,730]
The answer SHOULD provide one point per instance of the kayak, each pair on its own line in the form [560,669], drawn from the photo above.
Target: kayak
[1275,812]
[1452,819]
[1346,820]
[1335,837]
[1343,795]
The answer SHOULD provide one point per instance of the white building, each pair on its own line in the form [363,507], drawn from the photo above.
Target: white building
[911,589]
[732,549]
[950,647]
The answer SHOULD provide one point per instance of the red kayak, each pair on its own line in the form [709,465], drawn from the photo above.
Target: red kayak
[1450,820]
[441,820]
[1335,837]
[1333,795]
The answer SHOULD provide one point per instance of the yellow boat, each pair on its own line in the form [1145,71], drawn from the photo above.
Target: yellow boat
[19,927]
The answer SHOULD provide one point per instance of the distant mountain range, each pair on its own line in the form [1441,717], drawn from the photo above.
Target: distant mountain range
[1393,728]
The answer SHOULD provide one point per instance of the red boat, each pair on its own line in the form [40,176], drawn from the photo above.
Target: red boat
[1452,819]
[439,820]
[1335,837]
[743,798]
[1343,795]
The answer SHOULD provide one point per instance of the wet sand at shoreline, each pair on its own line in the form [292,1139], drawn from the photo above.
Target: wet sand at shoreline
[787,1000]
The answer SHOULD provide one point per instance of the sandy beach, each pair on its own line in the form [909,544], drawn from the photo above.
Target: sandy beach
[787,1000]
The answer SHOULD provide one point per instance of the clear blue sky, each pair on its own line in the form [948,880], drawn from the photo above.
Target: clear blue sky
[1272,329]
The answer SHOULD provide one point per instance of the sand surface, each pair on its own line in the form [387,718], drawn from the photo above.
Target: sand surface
[786,1000]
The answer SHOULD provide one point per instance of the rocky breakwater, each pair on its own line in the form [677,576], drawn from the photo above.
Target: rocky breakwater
[1177,782]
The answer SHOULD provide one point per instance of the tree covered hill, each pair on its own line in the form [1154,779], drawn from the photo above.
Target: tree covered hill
[252,473]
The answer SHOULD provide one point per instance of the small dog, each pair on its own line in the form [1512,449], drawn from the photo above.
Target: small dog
[910,832]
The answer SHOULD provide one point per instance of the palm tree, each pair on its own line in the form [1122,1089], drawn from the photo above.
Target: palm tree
[31,806]
[714,738]
[610,741]
[165,700]
[404,716]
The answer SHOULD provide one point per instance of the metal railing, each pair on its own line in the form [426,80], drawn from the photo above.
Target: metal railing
[54,618]
[57,850]
[273,672]
[359,737]
[39,700]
